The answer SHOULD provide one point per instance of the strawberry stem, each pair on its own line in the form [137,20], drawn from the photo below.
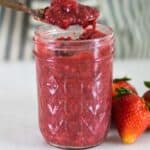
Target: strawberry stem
[121,79]
[122,91]
[147,84]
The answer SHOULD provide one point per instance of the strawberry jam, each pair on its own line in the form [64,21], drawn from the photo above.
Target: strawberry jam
[64,13]
[74,76]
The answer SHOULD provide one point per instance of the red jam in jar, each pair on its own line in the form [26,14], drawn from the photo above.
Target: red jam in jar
[74,79]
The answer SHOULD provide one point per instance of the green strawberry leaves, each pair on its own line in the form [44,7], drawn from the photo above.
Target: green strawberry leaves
[122,91]
[147,84]
[121,79]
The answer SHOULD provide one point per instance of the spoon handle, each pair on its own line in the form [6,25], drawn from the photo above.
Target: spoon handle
[14,4]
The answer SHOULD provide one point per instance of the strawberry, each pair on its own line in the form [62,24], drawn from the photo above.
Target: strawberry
[131,115]
[122,82]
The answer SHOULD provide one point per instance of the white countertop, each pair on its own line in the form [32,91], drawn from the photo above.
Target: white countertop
[18,107]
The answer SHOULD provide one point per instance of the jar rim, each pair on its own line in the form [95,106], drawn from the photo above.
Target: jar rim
[44,31]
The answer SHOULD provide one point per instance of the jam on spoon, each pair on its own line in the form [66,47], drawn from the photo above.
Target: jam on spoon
[64,13]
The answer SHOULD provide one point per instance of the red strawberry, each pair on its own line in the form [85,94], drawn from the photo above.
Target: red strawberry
[122,82]
[131,115]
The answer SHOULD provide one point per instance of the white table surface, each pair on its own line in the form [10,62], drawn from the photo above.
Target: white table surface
[18,107]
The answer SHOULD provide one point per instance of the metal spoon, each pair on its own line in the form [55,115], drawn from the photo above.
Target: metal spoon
[38,14]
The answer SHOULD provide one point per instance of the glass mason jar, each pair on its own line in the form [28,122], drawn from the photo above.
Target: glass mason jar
[74,81]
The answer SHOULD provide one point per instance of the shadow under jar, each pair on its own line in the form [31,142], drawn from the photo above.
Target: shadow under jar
[74,80]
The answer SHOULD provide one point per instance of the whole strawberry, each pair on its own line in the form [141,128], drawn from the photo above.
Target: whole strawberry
[131,115]
[122,82]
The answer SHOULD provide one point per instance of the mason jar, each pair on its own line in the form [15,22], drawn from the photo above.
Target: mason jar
[74,82]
